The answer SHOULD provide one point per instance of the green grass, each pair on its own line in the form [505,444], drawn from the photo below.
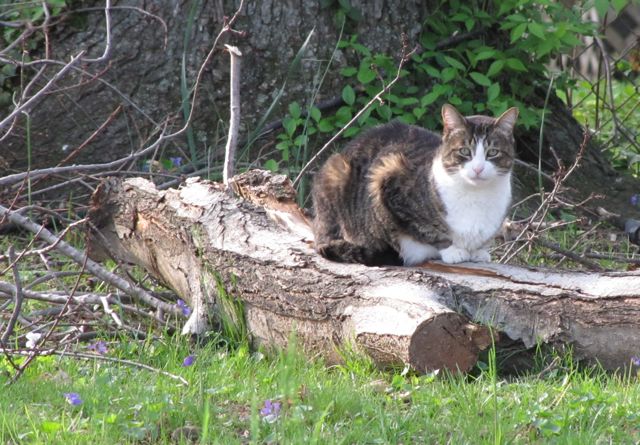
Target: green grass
[349,404]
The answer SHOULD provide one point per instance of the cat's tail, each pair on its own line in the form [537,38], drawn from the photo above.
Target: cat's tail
[345,252]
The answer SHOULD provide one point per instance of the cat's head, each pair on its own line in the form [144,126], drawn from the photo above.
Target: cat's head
[477,149]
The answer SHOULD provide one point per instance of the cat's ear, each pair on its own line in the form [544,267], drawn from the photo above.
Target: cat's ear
[452,119]
[507,120]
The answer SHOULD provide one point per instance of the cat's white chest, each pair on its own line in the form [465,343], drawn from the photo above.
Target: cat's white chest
[474,213]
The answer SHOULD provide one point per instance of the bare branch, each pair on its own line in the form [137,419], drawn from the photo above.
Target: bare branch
[29,103]
[234,116]
[18,297]
[93,267]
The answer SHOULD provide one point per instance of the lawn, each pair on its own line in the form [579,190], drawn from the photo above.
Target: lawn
[237,396]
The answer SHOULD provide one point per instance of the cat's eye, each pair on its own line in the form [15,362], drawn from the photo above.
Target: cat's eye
[492,153]
[465,151]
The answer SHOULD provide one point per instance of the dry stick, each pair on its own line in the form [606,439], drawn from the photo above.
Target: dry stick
[18,297]
[107,45]
[403,60]
[225,29]
[617,259]
[234,117]
[541,212]
[55,323]
[54,297]
[569,254]
[7,290]
[92,267]
[85,356]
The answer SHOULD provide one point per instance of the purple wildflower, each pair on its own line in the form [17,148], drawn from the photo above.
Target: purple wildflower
[188,360]
[73,398]
[176,162]
[635,360]
[99,347]
[186,310]
[634,200]
[270,411]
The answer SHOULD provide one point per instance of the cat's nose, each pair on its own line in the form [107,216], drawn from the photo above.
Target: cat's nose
[478,169]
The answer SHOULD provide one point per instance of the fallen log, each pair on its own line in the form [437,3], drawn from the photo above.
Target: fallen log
[208,243]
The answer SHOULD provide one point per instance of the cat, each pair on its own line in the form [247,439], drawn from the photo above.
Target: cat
[400,194]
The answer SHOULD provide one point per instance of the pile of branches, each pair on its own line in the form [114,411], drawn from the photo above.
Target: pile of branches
[52,295]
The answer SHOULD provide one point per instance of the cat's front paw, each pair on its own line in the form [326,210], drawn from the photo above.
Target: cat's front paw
[453,254]
[481,256]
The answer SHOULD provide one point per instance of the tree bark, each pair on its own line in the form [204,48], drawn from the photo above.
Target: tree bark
[258,247]
[139,87]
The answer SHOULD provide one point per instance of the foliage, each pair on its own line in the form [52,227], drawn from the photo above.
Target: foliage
[481,73]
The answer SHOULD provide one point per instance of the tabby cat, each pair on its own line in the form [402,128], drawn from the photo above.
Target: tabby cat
[402,194]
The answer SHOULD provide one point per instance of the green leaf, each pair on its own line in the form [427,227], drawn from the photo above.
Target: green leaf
[517,31]
[351,131]
[294,110]
[348,71]
[619,4]
[448,74]
[493,92]
[480,79]
[602,6]
[431,71]
[348,95]
[483,55]
[289,125]
[408,119]
[365,73]
[315,113]
[271,165]
[419,112]
[537,30]
[455,63]
[515,64]
[300,140]
[469,23]
[408,101]
[384,112]
[429,98]
[325,126]
[495,68]
[343,115]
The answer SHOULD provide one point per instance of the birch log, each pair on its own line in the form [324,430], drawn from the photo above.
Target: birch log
[257,245]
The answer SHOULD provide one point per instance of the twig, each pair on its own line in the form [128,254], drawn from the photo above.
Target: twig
[92,267]
[107,45]
[404,58]
[540,213]
[17,295]
[569,254]
[84,356]
[234,117]
[31,101]
[617,259]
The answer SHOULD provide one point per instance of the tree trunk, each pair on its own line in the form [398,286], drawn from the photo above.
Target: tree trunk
[143,76]
[258,247]
[139,86]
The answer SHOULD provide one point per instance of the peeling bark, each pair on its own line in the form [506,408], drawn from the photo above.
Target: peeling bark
[257,244]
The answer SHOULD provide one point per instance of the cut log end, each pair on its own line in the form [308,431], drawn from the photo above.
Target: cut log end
[449,342]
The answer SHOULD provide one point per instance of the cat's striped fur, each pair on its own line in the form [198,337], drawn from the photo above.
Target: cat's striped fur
[402,194]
